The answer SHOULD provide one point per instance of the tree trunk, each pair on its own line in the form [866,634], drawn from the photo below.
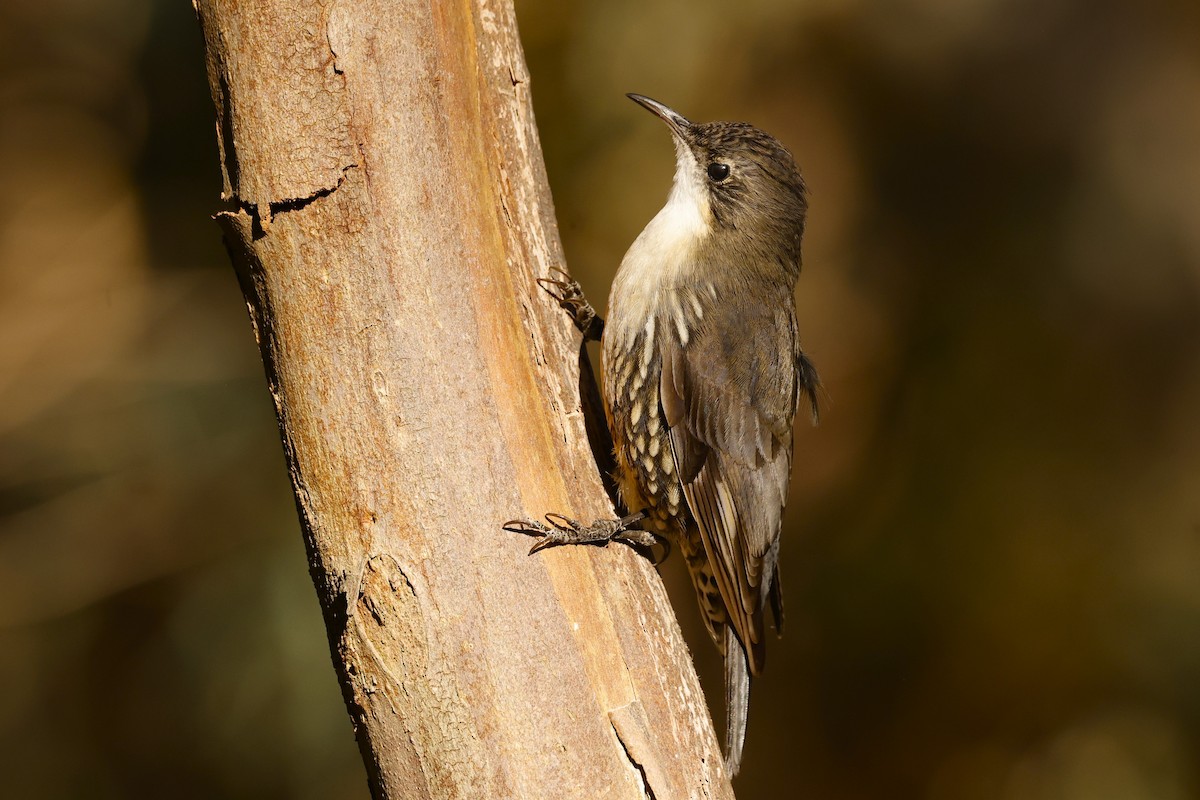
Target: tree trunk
[387,212]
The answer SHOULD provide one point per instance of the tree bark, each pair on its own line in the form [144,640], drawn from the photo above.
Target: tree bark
[387,212]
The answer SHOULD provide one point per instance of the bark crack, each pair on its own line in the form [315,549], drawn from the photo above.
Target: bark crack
[276,207]
[641,770]
[261,224]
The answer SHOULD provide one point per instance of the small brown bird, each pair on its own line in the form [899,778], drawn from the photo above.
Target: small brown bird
[703,375]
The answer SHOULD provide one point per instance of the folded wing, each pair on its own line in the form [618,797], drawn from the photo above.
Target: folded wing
[729,399]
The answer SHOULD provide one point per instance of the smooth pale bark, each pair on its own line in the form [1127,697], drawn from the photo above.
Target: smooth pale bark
[387,212]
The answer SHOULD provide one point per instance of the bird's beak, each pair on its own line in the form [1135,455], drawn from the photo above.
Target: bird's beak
[678,123]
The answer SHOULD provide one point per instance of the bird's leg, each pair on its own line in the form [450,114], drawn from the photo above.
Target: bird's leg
[564,530]
[569,294]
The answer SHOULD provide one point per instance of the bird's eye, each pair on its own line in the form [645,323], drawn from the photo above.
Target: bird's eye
[718,171]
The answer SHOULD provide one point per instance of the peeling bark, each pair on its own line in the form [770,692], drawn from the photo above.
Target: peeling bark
[387,213]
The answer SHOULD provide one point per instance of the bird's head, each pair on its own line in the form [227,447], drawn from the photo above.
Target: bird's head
[744,183]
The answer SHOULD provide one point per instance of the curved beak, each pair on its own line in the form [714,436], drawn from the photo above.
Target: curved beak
[678,123]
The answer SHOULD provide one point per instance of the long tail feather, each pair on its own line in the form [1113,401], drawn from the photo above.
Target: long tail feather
[737,700]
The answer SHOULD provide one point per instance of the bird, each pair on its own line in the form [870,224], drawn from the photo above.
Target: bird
[703,378]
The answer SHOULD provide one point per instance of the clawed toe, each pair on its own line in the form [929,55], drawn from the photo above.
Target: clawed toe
[566,290]
[644,540]
[569,294]
[562,522]
[551,539]
[529,527]
[547,536]
[565,530]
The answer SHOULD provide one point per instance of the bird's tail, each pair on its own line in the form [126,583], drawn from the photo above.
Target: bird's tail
[737,700]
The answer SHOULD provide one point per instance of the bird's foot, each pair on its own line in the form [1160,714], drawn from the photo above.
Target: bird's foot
[569,294]
[564,530]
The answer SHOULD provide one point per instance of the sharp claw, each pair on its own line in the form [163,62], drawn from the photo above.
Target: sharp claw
[542,544]
[637,539]
[547,283]
[529,527]
[565,280]
[666,552]
[563,523]
[565,291]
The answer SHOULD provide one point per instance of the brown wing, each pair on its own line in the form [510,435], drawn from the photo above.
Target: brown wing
[729,398]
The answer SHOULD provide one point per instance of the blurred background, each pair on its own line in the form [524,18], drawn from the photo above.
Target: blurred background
[992,565]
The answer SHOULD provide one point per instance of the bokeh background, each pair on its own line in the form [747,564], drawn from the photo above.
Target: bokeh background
[993,556]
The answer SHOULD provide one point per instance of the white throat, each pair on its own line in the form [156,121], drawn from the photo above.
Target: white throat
[660,258]
[687,211]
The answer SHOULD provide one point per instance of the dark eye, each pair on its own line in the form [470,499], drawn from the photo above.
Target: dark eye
[718,171]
